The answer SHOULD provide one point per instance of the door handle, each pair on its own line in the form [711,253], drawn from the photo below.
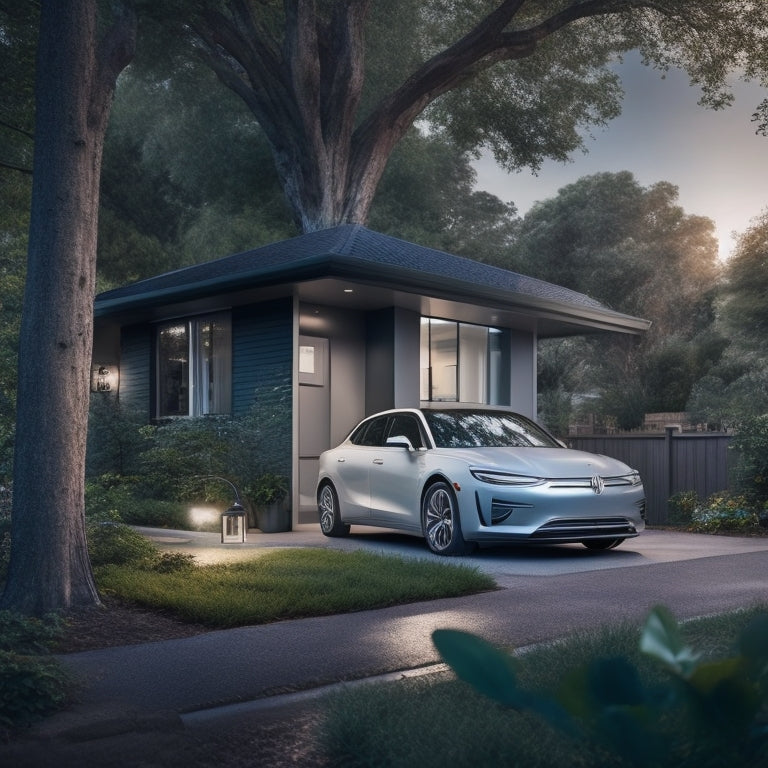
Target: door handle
[341,459]
[378,461]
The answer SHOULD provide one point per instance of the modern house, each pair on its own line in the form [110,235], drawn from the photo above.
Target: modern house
[328,327]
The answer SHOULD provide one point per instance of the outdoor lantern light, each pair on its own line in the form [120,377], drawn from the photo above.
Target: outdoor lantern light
[233,524]
[103,378]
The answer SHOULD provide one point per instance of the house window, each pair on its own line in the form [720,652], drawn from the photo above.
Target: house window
[194,366]
[461,362]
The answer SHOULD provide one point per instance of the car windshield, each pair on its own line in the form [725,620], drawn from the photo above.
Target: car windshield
[485,429]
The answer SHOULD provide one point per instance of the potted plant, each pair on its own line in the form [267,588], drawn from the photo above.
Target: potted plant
[269,494]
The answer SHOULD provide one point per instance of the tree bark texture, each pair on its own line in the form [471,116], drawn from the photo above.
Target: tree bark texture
[76,74]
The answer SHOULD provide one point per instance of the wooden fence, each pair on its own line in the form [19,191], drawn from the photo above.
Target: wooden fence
[668,462]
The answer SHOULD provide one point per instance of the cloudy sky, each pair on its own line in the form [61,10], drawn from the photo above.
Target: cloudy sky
[715,158]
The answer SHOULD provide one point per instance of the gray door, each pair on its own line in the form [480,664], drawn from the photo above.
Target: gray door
[314,419]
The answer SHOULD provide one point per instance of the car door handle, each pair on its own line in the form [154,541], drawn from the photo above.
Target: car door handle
[341,459]
[378,461]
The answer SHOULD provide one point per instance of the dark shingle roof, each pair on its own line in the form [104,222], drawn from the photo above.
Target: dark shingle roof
[345,251]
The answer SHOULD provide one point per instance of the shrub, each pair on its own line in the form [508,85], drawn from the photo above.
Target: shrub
[110,541]
[749,474]
[700,708]
[680,507]
[30,686]
[171,562]
[724,512]
[28,635]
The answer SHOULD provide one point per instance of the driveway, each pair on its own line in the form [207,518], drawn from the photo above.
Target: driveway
[504,563]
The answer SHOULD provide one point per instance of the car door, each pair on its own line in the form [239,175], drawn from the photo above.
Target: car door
[395,476]
[353,465]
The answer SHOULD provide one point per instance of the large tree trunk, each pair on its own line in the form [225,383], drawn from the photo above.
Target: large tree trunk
[75,80]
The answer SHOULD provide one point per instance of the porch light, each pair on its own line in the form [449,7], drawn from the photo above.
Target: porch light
[104,378]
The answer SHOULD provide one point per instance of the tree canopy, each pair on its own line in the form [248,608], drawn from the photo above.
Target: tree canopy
[737,387]
[636,250]
[516,76]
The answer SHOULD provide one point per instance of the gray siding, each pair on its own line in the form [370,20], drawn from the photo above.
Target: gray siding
[136,369]
[668,463]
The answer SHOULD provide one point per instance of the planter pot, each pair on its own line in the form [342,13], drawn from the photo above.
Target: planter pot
[273,518]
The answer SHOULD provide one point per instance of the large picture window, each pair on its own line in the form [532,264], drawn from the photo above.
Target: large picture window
[194,366]
[462,362]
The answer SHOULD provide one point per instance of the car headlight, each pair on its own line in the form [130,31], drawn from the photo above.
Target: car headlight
[495,477]
[631,478]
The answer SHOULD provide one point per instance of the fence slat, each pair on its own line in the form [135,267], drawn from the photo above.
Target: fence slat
[668,462]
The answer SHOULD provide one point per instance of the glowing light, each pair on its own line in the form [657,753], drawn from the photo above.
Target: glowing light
[202,517]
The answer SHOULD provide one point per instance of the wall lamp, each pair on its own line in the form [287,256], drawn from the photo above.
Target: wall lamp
[104,378]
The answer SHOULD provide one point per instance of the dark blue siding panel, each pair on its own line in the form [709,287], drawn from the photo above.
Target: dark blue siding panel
[262,355]
[135,368]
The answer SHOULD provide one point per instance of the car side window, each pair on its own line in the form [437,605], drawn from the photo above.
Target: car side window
[408,425]
[373,434]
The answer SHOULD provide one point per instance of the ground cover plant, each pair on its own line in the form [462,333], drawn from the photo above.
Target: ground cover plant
[285,583]
[32,684]
[619,697]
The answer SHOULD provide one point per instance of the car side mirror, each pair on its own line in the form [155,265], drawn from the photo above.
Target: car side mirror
[400,441]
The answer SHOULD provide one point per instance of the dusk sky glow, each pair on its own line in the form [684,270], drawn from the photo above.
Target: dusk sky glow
[715,158]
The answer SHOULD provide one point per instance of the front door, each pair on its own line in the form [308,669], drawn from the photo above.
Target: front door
[314,419]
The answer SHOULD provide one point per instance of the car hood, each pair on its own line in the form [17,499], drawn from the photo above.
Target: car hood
[540,462]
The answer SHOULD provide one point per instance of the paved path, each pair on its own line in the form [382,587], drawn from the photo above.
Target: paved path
[547,593]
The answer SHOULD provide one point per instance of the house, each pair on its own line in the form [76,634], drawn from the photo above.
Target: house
[327,327]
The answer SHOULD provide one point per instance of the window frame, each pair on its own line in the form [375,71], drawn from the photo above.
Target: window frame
[198,369]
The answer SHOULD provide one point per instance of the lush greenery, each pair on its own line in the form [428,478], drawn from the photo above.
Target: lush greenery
[634,249]
[683,697]
[743,508]
[31,685]
[312,582]
[152,474]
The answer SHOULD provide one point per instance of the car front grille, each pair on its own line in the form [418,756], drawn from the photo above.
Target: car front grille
[587,528]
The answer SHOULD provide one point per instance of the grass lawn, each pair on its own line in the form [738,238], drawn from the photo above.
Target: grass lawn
[289,584]
[436,720]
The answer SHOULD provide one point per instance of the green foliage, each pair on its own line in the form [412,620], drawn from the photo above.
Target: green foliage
[635,250]
[28,635]
[680,507]
[724,511]
[150,474]
[750,448]
[110,541]
[703,707]
[115,440]
[30,687]
[290,583]
[267,489]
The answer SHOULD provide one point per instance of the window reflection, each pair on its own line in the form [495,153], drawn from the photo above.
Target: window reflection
[463,362]
[194,366]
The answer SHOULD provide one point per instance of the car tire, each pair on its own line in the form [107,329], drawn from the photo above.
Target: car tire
[440,521]
[330,512]
[601,543]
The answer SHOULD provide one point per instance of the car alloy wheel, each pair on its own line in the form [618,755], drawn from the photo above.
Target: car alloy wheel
[440,520]
[330,516]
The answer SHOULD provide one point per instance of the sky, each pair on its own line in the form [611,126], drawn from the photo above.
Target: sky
[715,158]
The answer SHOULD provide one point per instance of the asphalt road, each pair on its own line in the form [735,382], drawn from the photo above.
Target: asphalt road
[545,594]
